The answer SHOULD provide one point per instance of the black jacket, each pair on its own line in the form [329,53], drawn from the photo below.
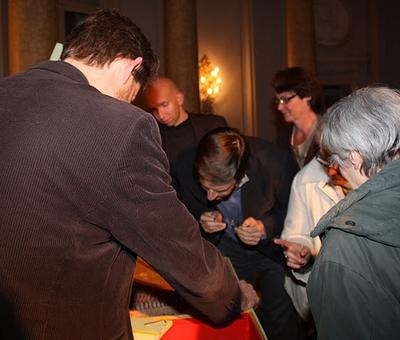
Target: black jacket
[265,196]
[197,125]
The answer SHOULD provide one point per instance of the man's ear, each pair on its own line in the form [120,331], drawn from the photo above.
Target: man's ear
[127,67]
[180,98]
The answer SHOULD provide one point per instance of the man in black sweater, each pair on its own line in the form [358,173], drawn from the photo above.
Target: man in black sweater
[238,189]
[180,130]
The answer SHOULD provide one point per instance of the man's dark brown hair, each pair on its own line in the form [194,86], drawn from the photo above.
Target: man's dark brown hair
[222,156]
[106,35]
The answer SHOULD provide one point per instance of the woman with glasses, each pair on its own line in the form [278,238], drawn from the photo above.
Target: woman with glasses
[297,92]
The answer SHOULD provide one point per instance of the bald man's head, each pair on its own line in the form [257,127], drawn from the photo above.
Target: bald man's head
[165,102]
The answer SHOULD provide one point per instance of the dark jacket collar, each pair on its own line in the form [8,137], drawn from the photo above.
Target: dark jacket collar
[370,211]
[64,69]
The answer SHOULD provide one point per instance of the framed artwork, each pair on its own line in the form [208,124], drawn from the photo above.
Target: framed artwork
[72,13]
[332,22]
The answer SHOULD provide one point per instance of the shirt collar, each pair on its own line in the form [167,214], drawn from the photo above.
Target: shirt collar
[243,181]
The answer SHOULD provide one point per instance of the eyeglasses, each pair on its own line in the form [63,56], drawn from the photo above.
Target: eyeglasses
[221,190]
[224,191]
[284,100]
[322,160]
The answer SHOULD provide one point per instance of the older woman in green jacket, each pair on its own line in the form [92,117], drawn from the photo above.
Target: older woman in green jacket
[354,289]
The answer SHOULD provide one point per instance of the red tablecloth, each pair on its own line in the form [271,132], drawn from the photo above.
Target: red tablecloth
[191,329]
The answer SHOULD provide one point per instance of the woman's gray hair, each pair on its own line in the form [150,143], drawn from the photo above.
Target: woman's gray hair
[366,121]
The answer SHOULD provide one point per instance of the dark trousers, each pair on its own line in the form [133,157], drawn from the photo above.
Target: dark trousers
[276,311]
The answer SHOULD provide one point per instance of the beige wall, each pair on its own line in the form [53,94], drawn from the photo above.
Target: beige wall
[248,42]
[222,37]
[147,14]
[247,39]
[270,51]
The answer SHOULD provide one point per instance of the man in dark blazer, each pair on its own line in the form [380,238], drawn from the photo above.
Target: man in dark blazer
[180,130]
[239,192]
[85,189]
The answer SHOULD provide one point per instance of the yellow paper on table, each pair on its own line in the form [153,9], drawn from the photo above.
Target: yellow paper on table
[149,328]
[146,327]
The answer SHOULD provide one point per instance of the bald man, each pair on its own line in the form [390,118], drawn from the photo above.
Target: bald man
[180,130]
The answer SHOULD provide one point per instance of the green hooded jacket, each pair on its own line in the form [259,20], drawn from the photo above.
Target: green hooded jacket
[354,288]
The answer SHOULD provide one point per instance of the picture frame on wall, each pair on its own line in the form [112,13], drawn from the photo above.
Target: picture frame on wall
[72,13]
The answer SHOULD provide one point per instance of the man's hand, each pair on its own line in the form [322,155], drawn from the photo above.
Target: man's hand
[250,298]
[251,231]
[297,255]
[212,221]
